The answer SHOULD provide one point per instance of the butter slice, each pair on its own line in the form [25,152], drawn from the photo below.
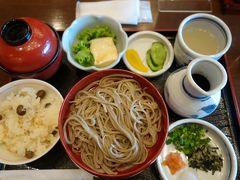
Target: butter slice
[104,51]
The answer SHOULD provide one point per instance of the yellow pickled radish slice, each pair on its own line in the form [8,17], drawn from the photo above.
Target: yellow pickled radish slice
[135,61]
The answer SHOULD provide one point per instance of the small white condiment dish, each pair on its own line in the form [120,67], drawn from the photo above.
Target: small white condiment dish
[141,42]
[218,139]
[10,158]
[91,21]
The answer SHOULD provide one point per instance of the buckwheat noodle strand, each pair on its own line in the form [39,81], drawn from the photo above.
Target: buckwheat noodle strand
[111,124]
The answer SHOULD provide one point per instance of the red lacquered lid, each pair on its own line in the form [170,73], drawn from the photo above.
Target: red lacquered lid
[26,44]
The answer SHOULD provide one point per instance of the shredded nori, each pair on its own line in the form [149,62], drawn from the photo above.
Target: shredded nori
[206,158]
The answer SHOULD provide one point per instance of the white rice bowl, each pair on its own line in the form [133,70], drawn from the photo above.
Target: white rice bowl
[25,138]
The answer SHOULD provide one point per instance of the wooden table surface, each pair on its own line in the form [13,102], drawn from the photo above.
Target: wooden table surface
[60,13]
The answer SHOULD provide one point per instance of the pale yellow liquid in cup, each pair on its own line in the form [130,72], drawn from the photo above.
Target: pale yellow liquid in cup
[202,38]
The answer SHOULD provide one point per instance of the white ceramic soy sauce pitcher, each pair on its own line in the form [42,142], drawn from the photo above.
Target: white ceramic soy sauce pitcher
[195,91]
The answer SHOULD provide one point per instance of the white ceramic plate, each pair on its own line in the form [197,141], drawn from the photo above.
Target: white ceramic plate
[218,139]
[141,42]
[10,158]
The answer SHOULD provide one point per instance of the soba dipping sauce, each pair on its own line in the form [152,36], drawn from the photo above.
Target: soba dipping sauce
[201,81]
[204,36]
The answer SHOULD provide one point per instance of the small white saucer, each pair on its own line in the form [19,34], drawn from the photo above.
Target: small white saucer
[142,42]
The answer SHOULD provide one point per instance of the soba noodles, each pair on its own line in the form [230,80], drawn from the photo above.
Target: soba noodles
[111,124]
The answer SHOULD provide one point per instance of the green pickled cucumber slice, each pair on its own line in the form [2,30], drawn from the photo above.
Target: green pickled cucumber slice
[150,64]
[158,53]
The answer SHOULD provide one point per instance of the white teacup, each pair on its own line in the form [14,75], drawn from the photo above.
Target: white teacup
[201,35]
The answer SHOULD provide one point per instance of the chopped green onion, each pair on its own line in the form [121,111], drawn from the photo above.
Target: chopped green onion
[188,138]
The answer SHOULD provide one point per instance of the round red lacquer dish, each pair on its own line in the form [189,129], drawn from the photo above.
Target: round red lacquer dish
[152,152]
[29,49]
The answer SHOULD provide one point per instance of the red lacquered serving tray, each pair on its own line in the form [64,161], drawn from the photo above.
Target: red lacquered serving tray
[231,6]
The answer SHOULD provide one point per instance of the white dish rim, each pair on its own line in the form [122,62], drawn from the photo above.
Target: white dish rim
[163,39]
[231,152]
[67,46]
[20,82]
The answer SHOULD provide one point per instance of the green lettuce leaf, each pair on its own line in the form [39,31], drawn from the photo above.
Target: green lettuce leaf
[81,47]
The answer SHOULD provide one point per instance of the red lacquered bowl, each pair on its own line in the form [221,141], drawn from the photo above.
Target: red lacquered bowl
[152,152]
[29,49]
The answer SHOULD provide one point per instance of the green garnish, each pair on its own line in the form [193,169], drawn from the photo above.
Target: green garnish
[81,47]
[191,140]
[84,57]
[188,138]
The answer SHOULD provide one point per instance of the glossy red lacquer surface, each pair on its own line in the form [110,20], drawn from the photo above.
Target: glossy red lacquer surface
[33,54]
[46,73]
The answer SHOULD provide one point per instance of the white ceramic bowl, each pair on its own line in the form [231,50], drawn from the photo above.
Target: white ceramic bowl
[84,22]
[206,23]
[10,158]
[141,42]
[229,170]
